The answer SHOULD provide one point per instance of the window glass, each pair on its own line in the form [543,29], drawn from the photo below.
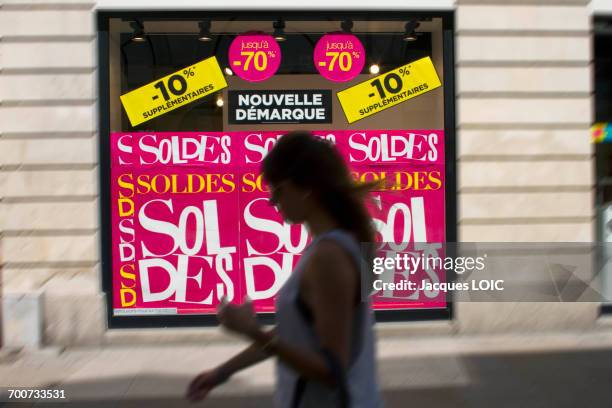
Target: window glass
[190,221]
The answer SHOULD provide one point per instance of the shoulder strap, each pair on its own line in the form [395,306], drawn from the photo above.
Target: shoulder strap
[334,365]
[298,392]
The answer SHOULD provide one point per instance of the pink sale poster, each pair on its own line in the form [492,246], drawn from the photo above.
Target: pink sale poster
[191,221]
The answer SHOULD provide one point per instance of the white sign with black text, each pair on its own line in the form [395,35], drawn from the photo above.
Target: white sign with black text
[280,106]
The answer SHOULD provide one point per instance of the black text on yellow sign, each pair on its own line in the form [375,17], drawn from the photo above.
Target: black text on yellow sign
[173,91]
[389,89]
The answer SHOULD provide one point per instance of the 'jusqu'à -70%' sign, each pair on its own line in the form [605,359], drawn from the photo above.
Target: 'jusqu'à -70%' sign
[191,222]
[254,57]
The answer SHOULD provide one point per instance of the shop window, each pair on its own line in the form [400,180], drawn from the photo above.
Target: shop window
[185,119]
[602,136]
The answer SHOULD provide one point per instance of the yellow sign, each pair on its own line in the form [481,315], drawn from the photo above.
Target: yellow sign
[389,89]
[173,91]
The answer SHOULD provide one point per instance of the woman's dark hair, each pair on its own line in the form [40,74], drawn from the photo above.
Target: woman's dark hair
[315,164]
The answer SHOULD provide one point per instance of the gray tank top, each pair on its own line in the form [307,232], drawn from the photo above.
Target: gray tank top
[293,327]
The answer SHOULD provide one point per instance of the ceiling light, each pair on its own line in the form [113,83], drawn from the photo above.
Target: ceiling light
[374,69]
[347,25]
[410,33]
[220,102]
[228,71]
[204,34]
[139,34]
[279,30]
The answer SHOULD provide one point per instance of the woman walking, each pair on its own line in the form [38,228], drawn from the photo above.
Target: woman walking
[323,340]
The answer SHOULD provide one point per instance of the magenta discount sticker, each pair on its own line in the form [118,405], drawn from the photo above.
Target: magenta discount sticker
[339,57]
[254,57]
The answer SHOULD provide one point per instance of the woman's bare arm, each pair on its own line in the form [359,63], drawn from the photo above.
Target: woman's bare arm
[248,357]
[204,382]
[329,284]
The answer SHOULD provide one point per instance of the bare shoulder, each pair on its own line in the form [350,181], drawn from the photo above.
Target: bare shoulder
[330,263]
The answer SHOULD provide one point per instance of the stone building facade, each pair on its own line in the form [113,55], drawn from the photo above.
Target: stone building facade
[524,158]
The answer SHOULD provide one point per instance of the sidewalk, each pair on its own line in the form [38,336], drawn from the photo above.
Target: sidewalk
[460,371]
